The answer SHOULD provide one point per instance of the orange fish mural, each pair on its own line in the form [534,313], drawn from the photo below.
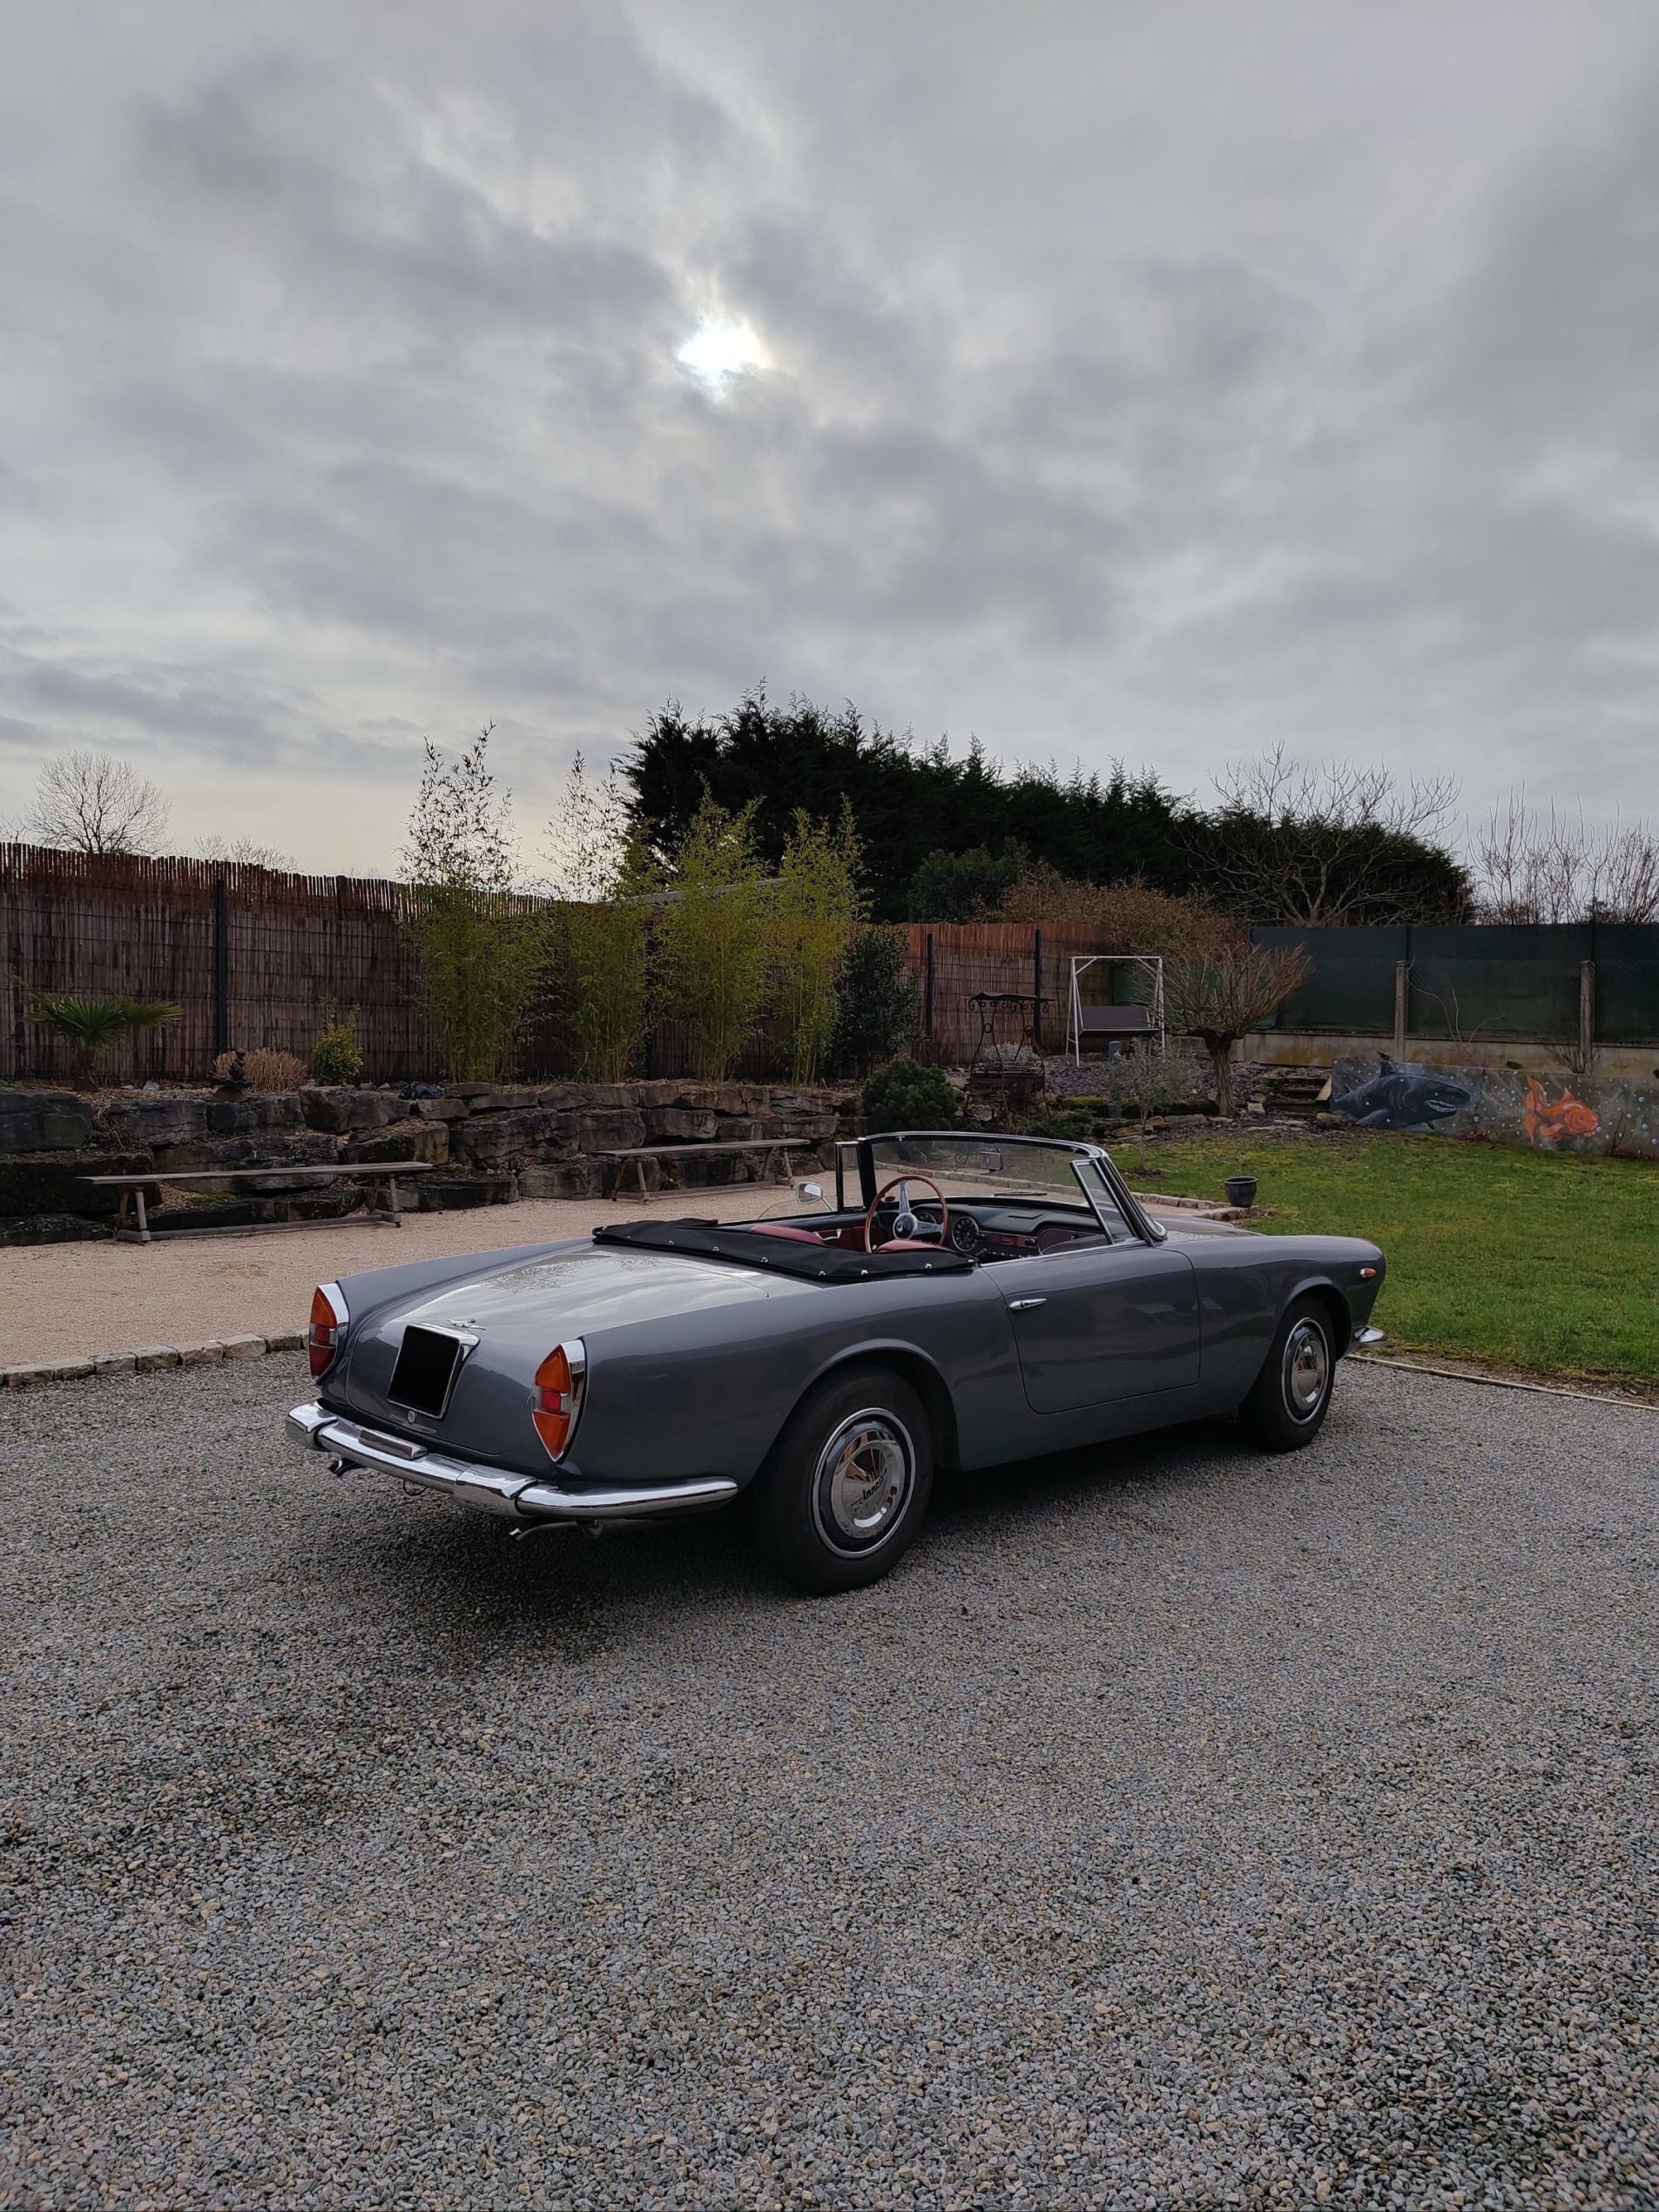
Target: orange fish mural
[1547,1123]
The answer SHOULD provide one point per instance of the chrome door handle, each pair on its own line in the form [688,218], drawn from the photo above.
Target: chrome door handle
[1024,1304]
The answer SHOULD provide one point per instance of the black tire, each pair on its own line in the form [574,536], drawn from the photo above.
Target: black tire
[858,1448]
[1292,1396]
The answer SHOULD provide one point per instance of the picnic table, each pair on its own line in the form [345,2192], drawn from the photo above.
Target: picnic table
[640,1153]
[377,1174]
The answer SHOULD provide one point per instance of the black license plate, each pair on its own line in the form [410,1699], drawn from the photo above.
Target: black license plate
[425,1372]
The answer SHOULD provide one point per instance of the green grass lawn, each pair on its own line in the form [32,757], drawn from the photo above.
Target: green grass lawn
[1541,1260]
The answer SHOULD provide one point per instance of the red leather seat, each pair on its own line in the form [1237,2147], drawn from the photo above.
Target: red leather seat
[912,1244]
[786,1229]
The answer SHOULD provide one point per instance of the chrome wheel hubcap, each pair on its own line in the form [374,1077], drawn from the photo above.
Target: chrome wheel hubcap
[1307,1370]
[865,1472]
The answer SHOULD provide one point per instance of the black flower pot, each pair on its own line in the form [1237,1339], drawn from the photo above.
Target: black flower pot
[1241,1190]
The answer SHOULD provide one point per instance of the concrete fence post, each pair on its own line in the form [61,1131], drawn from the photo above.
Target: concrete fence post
[1585,1010]
[1402,1004]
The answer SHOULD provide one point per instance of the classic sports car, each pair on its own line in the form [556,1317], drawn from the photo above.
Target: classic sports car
[967,1301]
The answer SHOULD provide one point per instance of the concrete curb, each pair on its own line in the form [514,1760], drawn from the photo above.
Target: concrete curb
[150,1358]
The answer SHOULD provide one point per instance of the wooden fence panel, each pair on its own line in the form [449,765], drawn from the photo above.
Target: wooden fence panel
[952,960]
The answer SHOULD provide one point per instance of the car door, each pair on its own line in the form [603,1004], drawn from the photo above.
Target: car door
[1096,1323]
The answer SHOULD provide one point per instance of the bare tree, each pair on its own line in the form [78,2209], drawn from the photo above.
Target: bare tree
[1221,994]
[245,852]
[92,802]
[1315,843]
[1530,866]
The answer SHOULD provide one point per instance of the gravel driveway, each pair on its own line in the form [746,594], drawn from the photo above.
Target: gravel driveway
[1175,1827]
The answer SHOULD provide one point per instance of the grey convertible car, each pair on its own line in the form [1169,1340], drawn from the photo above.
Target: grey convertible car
[966,1301]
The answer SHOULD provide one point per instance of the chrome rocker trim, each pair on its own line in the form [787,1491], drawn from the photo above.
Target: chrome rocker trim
[492,1490]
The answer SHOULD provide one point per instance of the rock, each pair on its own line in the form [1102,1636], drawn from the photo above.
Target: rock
[138,1121]
[154,1356]
[47,1228]
[338,1107]
[442,1110]
[563,1096]
[243,1347]
[449,1196]
[574,1179]
[114,1363]
[481,1091]
[43,1121]
[273,1148]
[491,1140]
[44,1371]
[201,1355]
[427,1141]
[260,1110]
[39,1184]
[605,1132]
[286,1340]
[607,1095]
[678,1124]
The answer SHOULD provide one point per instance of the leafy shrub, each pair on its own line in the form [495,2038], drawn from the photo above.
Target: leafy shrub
[876,1011]
[1124,917]
[336,1056]
[905,1095]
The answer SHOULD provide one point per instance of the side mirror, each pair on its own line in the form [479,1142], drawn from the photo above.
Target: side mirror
[805,1191]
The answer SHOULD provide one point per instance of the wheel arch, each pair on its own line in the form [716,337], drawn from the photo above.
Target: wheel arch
[911,1365]
[1336,1306]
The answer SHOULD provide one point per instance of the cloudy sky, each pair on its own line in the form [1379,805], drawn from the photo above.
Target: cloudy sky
[1154,380]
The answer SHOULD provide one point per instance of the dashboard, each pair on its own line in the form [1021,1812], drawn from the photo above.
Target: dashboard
[987,1232]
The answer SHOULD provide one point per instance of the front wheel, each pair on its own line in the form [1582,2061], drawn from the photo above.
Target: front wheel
[847,1485]
[1287,1406]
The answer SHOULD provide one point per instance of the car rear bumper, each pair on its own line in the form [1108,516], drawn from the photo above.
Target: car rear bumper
[494,1490]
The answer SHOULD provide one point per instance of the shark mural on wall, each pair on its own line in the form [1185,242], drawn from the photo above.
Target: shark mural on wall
[1501,1106]
[1403,1096]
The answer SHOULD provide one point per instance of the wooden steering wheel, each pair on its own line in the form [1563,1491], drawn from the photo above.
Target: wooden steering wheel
[901,1182]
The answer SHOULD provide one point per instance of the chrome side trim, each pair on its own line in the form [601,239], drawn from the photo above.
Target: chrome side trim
[492,1490]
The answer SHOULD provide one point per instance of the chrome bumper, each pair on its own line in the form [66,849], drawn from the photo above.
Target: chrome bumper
[509,1497]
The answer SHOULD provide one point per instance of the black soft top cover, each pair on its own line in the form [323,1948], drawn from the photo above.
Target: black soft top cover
[782,1255]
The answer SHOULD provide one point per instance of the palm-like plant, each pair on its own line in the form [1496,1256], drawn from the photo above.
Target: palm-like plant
[93,1022]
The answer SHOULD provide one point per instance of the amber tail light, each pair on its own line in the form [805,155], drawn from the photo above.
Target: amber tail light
[329,1320]
[556,1399]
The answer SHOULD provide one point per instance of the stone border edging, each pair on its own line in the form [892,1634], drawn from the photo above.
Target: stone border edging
[152,1357]
[1502,1382]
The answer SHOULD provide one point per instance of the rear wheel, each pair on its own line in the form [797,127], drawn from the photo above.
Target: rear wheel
[1287,1406]
[847,1485]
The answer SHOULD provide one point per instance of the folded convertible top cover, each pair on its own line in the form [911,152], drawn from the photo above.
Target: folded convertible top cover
[820,1263]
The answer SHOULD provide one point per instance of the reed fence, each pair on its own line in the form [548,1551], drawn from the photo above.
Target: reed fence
[259,958]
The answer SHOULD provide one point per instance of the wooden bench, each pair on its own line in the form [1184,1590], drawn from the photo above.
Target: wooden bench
[377,1174]
[640,1153]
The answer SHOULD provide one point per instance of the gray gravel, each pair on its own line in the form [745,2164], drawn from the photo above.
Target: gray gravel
[1176,1828]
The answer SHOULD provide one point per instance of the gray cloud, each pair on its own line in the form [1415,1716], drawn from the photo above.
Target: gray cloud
[1153,383]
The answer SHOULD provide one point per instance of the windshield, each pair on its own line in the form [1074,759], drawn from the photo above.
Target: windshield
[980,1167]
[1056,1174]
